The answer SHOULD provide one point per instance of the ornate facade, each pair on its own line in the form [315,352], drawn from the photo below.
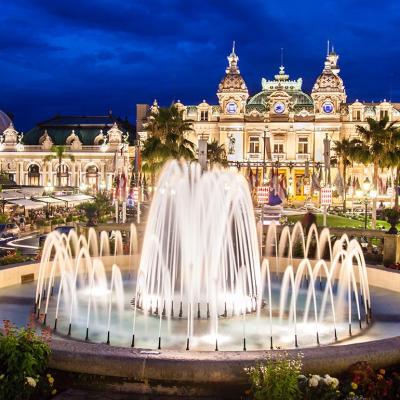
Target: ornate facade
[96,149]
[281,126]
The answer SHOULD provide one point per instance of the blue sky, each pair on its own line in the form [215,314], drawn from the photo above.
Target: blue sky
[89,56]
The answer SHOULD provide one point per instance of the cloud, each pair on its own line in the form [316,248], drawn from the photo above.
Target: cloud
[86,56]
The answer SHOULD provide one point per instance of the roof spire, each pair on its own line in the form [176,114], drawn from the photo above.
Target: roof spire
[327,48]
[281,56]
[233,60]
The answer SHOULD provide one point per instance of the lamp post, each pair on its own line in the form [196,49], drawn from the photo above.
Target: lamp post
[367,193]
[290,189]
[264,143]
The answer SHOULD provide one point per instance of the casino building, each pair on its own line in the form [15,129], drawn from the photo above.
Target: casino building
[96,149]
[281,129]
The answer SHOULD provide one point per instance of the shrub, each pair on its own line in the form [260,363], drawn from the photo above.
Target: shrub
[23,361]
[13,257]
[276,378]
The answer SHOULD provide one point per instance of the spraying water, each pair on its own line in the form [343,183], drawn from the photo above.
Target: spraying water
[206,270]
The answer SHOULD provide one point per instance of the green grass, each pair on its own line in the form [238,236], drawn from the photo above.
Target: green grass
[336,221]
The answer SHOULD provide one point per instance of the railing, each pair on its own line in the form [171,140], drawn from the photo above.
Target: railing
[254,156]
[302,156]
[28,148]
[371,241]
[278,156]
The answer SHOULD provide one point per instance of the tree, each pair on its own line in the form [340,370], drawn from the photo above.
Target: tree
[167,130]
[376,141]
[344,151]
[98,209]
[393,160]
[216,153]
[154,155]
[59,153]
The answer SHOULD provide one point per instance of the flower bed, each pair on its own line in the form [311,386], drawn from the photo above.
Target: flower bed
[24,356]
[13,257]
[281,379]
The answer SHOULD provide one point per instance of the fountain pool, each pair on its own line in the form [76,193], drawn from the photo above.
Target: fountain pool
[208,277]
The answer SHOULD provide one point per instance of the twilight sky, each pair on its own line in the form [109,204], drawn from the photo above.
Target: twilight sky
[88,56]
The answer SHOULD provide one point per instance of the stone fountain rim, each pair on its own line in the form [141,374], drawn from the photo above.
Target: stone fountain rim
[209,366]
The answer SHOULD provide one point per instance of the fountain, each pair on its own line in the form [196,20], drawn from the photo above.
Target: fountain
[207,278]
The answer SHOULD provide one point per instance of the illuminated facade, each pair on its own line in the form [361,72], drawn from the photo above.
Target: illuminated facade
[288,123]
[99,147]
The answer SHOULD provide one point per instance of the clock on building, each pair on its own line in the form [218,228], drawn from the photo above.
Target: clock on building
[231,108]
[279,107]
[327,107]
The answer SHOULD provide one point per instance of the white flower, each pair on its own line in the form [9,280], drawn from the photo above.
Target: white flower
[30,381]
[328,380]
[313,381]
[335,383]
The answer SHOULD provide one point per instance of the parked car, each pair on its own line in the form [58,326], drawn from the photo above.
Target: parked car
[8,230]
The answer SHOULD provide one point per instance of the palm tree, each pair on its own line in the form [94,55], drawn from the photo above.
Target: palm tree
[392,160]
[154,155]
[216,153]
[167,139]
[166,121]
[59,153]
[375,143]
[344,151]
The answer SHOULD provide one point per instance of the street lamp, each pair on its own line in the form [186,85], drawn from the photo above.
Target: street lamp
[368,193]
[290,189]
[264,165]
[83,187]
[48,188]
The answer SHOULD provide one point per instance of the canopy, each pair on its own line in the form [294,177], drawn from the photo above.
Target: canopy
[27,203]
[49,200]
[75,198]
[10,195]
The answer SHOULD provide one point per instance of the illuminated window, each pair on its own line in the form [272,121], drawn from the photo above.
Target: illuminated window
[384,114]
[204,116]
[254,144]
[278,148]
[302,146]
[33,175]
[357,115]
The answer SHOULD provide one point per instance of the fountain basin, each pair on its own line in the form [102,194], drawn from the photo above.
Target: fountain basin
[208,372]
[204,373]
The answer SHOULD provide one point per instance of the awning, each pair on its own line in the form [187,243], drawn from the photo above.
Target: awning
[10,195]
[75,198]
[31,191]
[49,200]
[27,203]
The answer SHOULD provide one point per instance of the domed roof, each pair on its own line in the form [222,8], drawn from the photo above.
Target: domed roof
[232,81]
[5,121]
[282,83]
[328,82]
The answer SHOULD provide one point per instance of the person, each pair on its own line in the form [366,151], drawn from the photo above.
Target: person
[308,220]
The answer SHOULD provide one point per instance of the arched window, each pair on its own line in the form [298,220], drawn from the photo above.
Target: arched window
[92,177]
[33,175]
[63,175]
